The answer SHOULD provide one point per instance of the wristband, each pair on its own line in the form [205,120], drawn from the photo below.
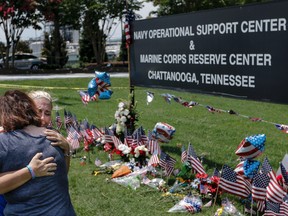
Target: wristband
[31,171]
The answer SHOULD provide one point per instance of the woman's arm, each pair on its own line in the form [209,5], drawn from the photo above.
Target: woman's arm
[14,179]
[59,140]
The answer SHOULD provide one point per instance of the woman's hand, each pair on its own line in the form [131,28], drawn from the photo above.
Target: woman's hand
[57,140]
[44,167]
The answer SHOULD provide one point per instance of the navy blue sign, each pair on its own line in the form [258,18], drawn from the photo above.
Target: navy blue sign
[238,51]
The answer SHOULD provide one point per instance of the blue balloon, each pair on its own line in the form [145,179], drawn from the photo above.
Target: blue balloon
[104,76]
[106,94]
[92,87]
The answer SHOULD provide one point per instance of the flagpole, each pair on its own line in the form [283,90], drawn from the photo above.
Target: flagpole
[215,198]
[131,87]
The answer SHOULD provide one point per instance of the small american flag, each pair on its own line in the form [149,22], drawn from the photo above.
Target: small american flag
[153,145]
[275,192]
[95,132]
[283,128]
[267,169]
[194,160]
[116,141]
[183,154]
[216,172]
[284,174]
[153,159]
[259,185]
[67,119]
[128,140]
[233,183]
[84,97]
[167,163]
[58,121]
[73,138]
[276,209]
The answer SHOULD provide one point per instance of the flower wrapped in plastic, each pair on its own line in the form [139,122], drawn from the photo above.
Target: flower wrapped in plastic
[227,209]
[156,183]
[189,203]
[131,181]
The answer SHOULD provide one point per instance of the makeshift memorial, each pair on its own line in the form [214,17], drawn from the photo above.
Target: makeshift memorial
[189,203]
[163,132]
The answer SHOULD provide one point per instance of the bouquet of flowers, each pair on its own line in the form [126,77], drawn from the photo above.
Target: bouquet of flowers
[140,154]
[125,116]
[124,151]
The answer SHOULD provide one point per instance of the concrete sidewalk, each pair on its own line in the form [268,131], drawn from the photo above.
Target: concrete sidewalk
[57,76]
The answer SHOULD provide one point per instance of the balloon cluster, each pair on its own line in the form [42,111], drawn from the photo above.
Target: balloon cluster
[98,86]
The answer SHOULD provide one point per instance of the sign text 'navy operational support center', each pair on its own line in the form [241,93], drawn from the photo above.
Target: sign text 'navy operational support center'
[241,51]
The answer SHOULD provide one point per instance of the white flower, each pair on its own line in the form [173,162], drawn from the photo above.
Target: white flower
[125,149]
[126,112]
[123,119]
[121,105]
[119,128]
[140,148]
[117,113]
[121,147]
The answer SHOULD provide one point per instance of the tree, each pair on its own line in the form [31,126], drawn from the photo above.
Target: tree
[49,51]
[15,16]
[86,50]
[98,18]
[170,7]
[23,46]
[51,11]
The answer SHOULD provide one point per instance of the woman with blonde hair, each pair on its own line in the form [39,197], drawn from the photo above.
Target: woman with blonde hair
[23,139]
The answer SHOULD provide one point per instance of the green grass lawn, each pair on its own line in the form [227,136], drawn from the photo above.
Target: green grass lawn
[214,136]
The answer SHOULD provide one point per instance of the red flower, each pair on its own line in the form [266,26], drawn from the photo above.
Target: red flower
[201,176]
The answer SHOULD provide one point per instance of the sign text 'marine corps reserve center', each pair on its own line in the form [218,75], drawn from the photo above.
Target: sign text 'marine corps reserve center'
[240,51]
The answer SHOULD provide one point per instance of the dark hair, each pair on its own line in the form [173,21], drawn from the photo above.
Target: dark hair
[17,110]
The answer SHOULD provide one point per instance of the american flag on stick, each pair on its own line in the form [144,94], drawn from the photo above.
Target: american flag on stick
[233,183]
[276,209]
[167,163]
[85,98]
[183,154]
[73,138]
[58,121]
[129,18]
[154,160]
[259,185]
[194,160]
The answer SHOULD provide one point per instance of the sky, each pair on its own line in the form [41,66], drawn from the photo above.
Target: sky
[116,33]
